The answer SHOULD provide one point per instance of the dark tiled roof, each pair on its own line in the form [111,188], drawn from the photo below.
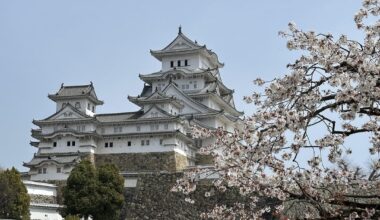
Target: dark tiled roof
[76,91]
[58,159]
[118,117]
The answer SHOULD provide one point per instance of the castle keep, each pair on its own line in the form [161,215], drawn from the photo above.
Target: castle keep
[188,90]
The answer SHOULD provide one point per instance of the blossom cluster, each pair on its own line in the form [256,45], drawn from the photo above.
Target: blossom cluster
[334,84]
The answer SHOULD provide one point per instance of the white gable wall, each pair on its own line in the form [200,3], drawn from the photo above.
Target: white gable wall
[85,105]
[51,173]
[189,106]
[192,59]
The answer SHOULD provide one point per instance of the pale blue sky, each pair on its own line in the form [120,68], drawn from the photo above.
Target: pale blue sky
[44,43]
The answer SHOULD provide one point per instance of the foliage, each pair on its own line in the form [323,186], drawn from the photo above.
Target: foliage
[293,147]
[96,193]
[14,198]
[72,217]
[111,188]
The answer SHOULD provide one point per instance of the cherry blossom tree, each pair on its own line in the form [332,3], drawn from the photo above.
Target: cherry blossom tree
[293,147]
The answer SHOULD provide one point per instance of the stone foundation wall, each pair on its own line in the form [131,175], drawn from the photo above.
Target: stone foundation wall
[135,162]
[152,198]
[203,159]
[42,199]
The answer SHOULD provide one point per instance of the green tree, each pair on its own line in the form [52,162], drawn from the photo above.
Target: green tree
[95,193]
[80,194]
[14,198]
[111,188]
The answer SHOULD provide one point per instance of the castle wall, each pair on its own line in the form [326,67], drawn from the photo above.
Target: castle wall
[136,162]
[152,198]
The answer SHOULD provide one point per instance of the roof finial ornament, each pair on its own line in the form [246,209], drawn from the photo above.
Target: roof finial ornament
[61,85]
[180,29]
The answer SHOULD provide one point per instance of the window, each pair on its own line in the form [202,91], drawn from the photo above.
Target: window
[54,144]
[118,129]
[171,63]
[72,143]
[161,141]
[68,143]
[147,142]
[58,169]
[44,170]
[185,86]
[77,105]
[142,142]
[129,143]
[88,106]
[111,144]
[178,63]
[93,109]
[81,127]
[106,144]
[138,128]
[154,127]
[195,85]
[40,171]
[166,126]
[186,63]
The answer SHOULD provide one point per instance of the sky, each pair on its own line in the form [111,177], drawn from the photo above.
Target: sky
[45,43]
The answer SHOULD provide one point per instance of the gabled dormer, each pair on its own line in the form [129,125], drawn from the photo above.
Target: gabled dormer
[82,97]
[185,53]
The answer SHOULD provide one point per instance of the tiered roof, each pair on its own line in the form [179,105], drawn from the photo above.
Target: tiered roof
[76,92]
[183,45]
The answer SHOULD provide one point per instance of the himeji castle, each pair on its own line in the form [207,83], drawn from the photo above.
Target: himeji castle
[187,91]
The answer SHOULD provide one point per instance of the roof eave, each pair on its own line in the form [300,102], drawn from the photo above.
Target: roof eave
[60,98]
[159,54]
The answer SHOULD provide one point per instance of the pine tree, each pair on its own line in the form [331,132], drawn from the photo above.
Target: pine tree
[14,198]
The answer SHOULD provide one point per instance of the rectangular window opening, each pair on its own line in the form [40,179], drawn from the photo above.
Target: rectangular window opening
[129,143]
[68,143]
[54,144]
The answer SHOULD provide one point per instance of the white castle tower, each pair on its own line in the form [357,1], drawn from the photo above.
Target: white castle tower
[187,90]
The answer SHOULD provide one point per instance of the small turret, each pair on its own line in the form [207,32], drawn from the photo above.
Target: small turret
[82,97]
